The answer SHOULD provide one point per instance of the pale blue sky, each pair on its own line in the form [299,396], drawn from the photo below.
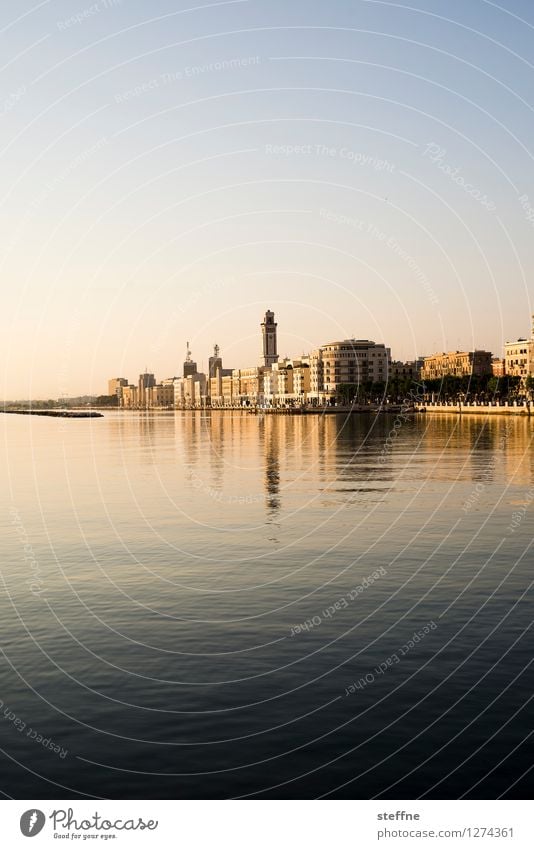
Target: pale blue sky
[170,170]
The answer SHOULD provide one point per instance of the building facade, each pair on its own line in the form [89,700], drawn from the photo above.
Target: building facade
[498,368]
[145,383]
[129,397]
[161,395]
[350,361]
[519,358]
[410,370]
[287,383]
[247,386]
[116,385]
[456,364]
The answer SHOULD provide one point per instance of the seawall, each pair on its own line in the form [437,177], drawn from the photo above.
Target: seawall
[476,409]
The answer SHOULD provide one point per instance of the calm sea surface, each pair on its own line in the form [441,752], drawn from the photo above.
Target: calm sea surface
[158,569]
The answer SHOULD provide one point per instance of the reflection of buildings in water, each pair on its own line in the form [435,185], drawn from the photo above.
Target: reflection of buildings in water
[231,447]
[449,443]
[256,457]
[322,448]
[271,434]
[351,446]
[318,441]
[517,437]
[191,436]
[215,444]
[303,448]
[476,448]
[138,435]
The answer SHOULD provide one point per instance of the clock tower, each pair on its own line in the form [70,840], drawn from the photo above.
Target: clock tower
[268,330]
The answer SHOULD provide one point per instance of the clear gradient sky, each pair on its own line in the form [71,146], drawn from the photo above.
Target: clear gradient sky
[169,170]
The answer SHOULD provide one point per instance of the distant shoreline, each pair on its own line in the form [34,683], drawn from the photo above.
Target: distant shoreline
[64,414]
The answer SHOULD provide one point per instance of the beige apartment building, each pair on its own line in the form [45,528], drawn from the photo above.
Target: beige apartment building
[227,390]
[129,397]
[221,389]
[456,364]
[247,385]
[409,370]
[161,395]
[145,383]
[498,368]
[519,358]
[301,378]
[190,391]
[347,361]
[116,385]
[286,382]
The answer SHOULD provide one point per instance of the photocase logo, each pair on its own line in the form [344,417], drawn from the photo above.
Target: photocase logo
[32,822]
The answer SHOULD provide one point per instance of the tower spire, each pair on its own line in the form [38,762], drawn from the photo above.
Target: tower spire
[190,367]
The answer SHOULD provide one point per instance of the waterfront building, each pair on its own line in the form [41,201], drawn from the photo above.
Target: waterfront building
[190,391]
[349,361]
[129,397]
[409,370]
[247,385]
[498,367]
[146,382]
[116,385]
[219,385]
[161,395]
[195,390]
[270,346]
[519,358]
[282,373]
[190,367]
[456,364]
[220,388]
[227,389]
[148,394]
[287,383]
[179,393]
[214,362]
[301,378]
[214,388]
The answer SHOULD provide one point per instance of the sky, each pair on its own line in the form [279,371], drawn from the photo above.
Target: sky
[170,170]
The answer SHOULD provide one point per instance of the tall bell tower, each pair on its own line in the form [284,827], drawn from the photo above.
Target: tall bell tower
[268,330]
